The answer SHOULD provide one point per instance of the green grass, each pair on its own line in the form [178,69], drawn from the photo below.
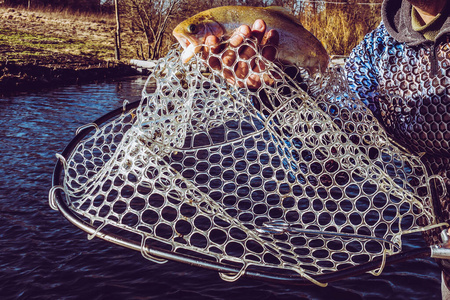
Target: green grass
[20,47]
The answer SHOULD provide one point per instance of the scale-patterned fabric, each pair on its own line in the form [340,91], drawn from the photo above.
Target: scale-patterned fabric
[269,177]
[407,88]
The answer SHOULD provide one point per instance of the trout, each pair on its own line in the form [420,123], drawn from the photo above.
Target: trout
[296,45]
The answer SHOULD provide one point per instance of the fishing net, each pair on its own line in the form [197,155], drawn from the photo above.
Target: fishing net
[295,175]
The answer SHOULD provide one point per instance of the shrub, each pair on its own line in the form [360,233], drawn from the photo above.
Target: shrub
[342,27]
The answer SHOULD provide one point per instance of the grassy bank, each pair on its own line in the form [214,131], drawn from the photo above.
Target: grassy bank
[40,32]
[22,47]
[43,48]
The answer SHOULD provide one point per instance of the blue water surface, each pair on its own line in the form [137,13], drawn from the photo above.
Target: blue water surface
[43,256]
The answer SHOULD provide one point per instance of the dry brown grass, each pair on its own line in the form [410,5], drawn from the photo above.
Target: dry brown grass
[78,33]
[341,28]
[68,14]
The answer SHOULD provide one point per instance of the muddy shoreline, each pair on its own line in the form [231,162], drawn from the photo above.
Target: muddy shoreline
[28,77]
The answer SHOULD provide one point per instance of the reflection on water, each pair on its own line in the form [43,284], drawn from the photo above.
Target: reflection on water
[45,257]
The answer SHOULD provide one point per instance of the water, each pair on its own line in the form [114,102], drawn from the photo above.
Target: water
[43,256]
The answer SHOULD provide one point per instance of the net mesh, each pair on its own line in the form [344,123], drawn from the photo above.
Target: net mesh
[296,174]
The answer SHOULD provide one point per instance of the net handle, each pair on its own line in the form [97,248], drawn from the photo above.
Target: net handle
[443,185]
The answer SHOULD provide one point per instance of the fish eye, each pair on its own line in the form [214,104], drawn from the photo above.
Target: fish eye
[192,28]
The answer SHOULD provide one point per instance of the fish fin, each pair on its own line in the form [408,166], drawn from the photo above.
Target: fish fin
[283,12]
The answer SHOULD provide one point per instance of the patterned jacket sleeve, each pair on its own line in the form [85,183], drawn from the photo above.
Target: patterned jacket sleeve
[362,70]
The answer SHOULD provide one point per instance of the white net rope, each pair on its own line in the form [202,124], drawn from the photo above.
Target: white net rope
[293,176]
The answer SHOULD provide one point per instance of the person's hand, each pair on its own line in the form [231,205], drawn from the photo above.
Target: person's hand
[241,69]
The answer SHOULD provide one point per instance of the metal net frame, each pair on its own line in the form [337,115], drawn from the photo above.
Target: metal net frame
[294,178]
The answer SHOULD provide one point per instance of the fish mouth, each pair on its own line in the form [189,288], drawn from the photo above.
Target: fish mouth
[190,47]
[183,40]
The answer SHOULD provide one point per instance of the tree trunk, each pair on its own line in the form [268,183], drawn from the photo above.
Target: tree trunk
[117,43]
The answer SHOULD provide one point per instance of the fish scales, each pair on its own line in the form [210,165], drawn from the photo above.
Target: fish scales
[296,44]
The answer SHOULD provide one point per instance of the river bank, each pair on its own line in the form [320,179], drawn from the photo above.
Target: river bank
[43,49]
[21,77]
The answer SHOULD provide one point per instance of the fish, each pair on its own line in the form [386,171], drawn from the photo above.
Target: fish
[296,44]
